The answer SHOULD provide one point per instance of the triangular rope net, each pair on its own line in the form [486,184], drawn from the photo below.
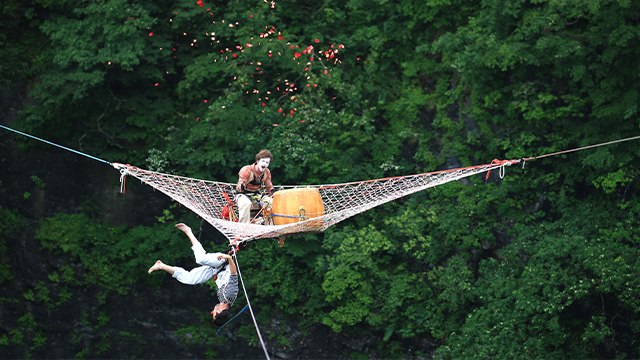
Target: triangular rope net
[208,199]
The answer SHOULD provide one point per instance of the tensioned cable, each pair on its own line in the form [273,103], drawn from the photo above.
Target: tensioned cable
[60,146]
[581,148]
[250,309]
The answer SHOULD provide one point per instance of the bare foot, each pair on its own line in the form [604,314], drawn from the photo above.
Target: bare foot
[157,266]
[184,228]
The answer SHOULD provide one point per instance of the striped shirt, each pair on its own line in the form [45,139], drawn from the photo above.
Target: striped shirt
[228,291]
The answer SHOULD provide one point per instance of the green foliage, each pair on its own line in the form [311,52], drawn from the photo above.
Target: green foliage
[39,183]
[538,264]
[10,224]
[114,257]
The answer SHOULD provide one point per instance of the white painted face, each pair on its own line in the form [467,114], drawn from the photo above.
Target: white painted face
[263,164]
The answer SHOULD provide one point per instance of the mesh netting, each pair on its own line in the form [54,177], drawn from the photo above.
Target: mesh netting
[212,200]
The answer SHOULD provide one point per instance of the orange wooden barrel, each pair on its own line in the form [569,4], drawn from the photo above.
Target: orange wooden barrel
[296,205]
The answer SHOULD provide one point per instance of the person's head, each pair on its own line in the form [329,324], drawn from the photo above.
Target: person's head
[222,317]
[221,314]
[263,159]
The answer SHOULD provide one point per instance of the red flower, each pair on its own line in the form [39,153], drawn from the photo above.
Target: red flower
[301,121]
[280,37]
[317,40]
[156,84]
[297,54]
[150,34]
[280,110]
[197,119]
[263,104]
[205,101]
[249,45]
[235,55]
[200,3]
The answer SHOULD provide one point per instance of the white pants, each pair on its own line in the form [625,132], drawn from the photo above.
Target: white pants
[246,203]
[209,262]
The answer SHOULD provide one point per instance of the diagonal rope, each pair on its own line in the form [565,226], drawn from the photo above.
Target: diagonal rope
[60,146]
[249,305]
[581,148]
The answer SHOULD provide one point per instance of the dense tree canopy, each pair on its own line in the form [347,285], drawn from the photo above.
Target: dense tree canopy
[543,263]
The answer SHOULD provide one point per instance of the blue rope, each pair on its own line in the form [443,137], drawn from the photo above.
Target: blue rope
[245,308]
[60,146]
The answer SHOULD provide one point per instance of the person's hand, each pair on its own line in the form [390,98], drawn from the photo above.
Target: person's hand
[223,256]
[243,187]
[272,191]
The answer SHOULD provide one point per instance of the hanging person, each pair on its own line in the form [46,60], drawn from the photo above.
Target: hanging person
[218,266]
[251,180]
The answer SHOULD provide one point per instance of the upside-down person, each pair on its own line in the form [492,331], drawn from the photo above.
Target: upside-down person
[218,266]
[252,178]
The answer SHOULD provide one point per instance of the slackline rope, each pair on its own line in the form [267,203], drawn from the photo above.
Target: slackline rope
[249,305]
[524,159]
[60,146]
[581,148]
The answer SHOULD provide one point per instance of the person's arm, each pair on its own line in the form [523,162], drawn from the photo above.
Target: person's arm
[243,176]
[232,265]
[267,182]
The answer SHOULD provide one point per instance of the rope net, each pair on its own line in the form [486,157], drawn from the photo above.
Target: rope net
[213,200]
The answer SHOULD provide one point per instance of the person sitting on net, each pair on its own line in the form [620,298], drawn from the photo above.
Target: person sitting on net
[218,266]
[252,178]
